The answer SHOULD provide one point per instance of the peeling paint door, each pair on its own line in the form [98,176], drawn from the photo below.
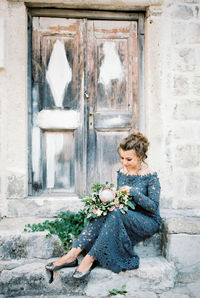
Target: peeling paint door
[57,104]
[84,100]
[112,90]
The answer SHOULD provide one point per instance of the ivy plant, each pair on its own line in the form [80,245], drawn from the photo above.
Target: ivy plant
[66,226]
[122,291]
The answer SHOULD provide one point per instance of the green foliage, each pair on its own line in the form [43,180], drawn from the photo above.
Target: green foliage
[96,187]
[66,226]
[122,291]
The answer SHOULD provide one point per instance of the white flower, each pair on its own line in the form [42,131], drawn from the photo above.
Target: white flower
[107,194]
[99,212]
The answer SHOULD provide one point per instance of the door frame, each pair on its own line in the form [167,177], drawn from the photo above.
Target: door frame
[90,15]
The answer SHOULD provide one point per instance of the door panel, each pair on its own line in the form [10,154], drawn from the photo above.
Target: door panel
[107,158]
[58,164]
[57,61]
[112,86]
[57,96]
[84,100]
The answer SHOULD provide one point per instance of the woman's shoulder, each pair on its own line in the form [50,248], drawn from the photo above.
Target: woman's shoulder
[145,171]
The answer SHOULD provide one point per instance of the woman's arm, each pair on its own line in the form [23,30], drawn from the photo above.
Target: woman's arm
[149,202]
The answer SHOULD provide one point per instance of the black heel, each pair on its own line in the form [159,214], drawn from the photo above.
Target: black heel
[52,267]
[81,275]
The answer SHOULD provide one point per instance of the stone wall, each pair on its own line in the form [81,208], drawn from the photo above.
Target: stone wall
[180,102]
[3,91]
[171,95]
[13,95]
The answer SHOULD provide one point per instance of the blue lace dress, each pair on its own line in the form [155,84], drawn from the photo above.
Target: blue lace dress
[110,239]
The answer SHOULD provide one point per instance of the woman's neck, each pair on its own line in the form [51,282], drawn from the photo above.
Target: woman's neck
[135,171]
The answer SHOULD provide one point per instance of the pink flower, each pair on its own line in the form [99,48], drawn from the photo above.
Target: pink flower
[116,202]
[97,212]
[112,208]
[121,206]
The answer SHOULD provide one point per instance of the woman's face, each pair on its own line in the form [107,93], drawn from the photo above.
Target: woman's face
[129,159]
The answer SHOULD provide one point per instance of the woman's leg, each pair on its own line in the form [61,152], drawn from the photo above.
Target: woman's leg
[113,248]
[84,242]
[69,257]
[89,235]
[86,263]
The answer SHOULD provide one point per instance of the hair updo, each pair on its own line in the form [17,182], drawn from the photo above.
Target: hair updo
[137,142]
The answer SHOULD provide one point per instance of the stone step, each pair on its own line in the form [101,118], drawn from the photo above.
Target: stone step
[29,278]
[181,245]
[44,206]
[16,244]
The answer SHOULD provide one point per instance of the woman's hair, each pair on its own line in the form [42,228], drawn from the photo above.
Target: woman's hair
[137,142]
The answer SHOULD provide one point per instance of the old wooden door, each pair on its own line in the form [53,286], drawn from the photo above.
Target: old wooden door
[84,100]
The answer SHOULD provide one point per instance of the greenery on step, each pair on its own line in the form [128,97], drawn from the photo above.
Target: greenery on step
[122,291]
[66,226]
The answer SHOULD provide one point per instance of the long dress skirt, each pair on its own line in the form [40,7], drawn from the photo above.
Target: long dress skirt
[110,239]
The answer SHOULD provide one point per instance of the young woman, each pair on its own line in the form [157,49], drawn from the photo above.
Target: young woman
[110,239]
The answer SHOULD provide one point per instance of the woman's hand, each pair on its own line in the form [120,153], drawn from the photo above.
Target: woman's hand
[126,189]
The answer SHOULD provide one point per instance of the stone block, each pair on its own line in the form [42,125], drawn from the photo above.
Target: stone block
[187,156]
[183,131]
[179,36]
[43,206]
[2,43]
[174,295]
[188,202]
[182,293]
[187,110]
[12,264]
[183,250]
[181,85]
[183,224]
[190,1]
[182,12]
[141,294]
[29,279]
[193,33]
[16,186]
[178,186]
[194,289]
[192,184]
[185,276]
[196,85]
[29,245]
[185,59]
[151,247]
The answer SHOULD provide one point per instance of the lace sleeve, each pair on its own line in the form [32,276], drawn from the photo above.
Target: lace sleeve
[151,201]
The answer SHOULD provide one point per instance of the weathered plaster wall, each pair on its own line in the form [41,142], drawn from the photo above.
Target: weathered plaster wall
[171,95]
[3,89]
[13,94]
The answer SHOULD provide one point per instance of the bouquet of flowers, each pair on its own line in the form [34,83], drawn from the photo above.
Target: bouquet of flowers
[104,199]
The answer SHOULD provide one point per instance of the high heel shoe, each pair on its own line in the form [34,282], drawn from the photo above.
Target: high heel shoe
[81,275]
[52,267]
